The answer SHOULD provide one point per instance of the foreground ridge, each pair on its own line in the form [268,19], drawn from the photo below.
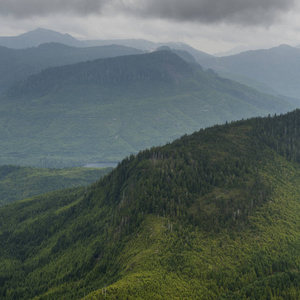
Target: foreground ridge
[213,215]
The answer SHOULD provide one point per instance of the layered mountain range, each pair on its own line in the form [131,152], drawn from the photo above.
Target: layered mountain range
[18,64]
[270,70]
[193,210]
[275,70]
[105,109]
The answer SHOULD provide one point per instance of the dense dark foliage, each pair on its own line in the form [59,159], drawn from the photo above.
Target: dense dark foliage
[282,134]
[212,215]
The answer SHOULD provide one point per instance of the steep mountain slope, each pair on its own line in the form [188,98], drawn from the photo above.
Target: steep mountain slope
[17,183]
[105,109]
[16,65]
[213,215]
[276,68]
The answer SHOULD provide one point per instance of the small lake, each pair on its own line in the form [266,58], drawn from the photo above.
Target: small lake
[101,165]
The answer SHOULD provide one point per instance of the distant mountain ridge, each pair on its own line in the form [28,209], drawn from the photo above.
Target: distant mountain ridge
[272,70]
[40,35]
[277,68]
[161,67]
[36,37]
[32,52]
[18,64]
[105,109]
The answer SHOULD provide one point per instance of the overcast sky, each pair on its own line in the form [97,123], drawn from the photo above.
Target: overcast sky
[209,25]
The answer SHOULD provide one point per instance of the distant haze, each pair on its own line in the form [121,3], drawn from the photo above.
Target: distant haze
[209,25]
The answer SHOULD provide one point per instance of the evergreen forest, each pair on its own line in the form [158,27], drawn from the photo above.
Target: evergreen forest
[202,196]
[211,215]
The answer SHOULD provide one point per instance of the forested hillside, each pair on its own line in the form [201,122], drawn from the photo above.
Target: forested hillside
[18,64]
[106,109]
[212,215]
[17,183]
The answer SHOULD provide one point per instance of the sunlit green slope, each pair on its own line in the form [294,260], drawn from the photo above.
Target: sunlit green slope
[213,215]
[106,109]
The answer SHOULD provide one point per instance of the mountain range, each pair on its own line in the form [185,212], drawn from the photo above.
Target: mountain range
[268,70]
[18,64]
[33,51]
[192,210]
[275,70]
[106,109]
[212,215]
[40,36]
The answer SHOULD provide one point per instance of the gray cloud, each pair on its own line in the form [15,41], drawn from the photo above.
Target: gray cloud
[245,12]
[36,8]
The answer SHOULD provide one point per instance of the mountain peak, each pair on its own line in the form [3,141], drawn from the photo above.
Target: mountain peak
[43,31]
[36,37]
[39,30]
[155,67]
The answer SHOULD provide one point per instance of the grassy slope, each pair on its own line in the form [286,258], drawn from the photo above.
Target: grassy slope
[17,183]
[87,115]
[213,215]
